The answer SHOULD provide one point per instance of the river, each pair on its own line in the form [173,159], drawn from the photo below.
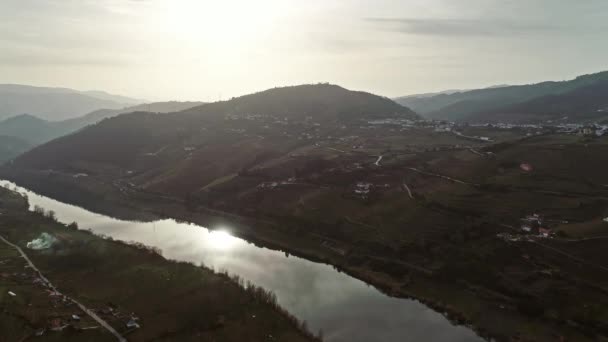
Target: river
[344,308]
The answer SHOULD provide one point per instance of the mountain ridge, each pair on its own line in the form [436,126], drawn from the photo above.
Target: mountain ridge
[35,131]
[112,141]
[460,105]
[55,103]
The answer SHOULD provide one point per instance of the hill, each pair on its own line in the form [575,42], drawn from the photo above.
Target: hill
[321,102]
[460,106]
[585,104]
[405,207]
[98,115]
[10,147]
[36,131]
[184,151]
[30,128]
[55,103]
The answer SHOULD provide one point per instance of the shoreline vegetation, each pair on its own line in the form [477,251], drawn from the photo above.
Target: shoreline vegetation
[241,228]
[20,225]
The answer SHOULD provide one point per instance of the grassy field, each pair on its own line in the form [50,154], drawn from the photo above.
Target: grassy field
[172,301]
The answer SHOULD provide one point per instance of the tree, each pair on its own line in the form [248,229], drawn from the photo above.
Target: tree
[73,225]
[38,210]
[51,215]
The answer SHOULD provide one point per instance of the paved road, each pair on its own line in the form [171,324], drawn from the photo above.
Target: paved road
[52,287]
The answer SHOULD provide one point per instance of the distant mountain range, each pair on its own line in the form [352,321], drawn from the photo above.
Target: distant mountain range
[56,103]
[31,130]
[583,99]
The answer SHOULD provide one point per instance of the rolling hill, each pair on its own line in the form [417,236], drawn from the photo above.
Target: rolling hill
[482,104]
[30,128]
[11,147]
[55,103]
[322,102]
[182,151]
[585,104]
[37,131]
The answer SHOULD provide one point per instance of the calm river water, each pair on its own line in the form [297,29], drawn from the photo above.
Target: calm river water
[346,309]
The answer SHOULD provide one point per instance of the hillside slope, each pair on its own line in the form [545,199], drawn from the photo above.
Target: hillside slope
[30,128]
[37,131]
[11,147]
[462,105]
[586,104]
[181,152]
[319,101]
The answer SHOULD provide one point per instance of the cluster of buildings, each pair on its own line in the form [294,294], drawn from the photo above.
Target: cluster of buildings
[593,130]
[533,224]
[275,184]
[362,189]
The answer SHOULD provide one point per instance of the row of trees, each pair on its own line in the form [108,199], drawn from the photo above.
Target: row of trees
[51,215]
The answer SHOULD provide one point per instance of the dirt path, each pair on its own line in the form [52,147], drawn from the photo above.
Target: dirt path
[407,188]
[335,149]
[52,287]
[440,176]
[474,151]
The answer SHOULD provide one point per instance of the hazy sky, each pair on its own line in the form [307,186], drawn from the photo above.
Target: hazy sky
[201,49]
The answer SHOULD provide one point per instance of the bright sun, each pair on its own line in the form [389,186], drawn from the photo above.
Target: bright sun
[221,23]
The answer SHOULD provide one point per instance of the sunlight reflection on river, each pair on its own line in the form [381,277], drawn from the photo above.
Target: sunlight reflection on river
[346,309]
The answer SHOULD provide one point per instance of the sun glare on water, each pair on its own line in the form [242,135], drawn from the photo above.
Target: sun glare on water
[221,239]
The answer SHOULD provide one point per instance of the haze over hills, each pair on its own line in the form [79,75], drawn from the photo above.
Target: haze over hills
[10,147]
[56,103]
[35,131]
[495,104]
[583,105]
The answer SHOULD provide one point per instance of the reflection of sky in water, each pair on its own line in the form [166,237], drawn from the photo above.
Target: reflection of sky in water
[345,308]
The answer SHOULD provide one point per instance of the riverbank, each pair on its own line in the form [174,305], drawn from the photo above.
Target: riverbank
[137,291]
[490,314]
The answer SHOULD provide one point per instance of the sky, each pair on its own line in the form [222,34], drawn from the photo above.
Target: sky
[209,50]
